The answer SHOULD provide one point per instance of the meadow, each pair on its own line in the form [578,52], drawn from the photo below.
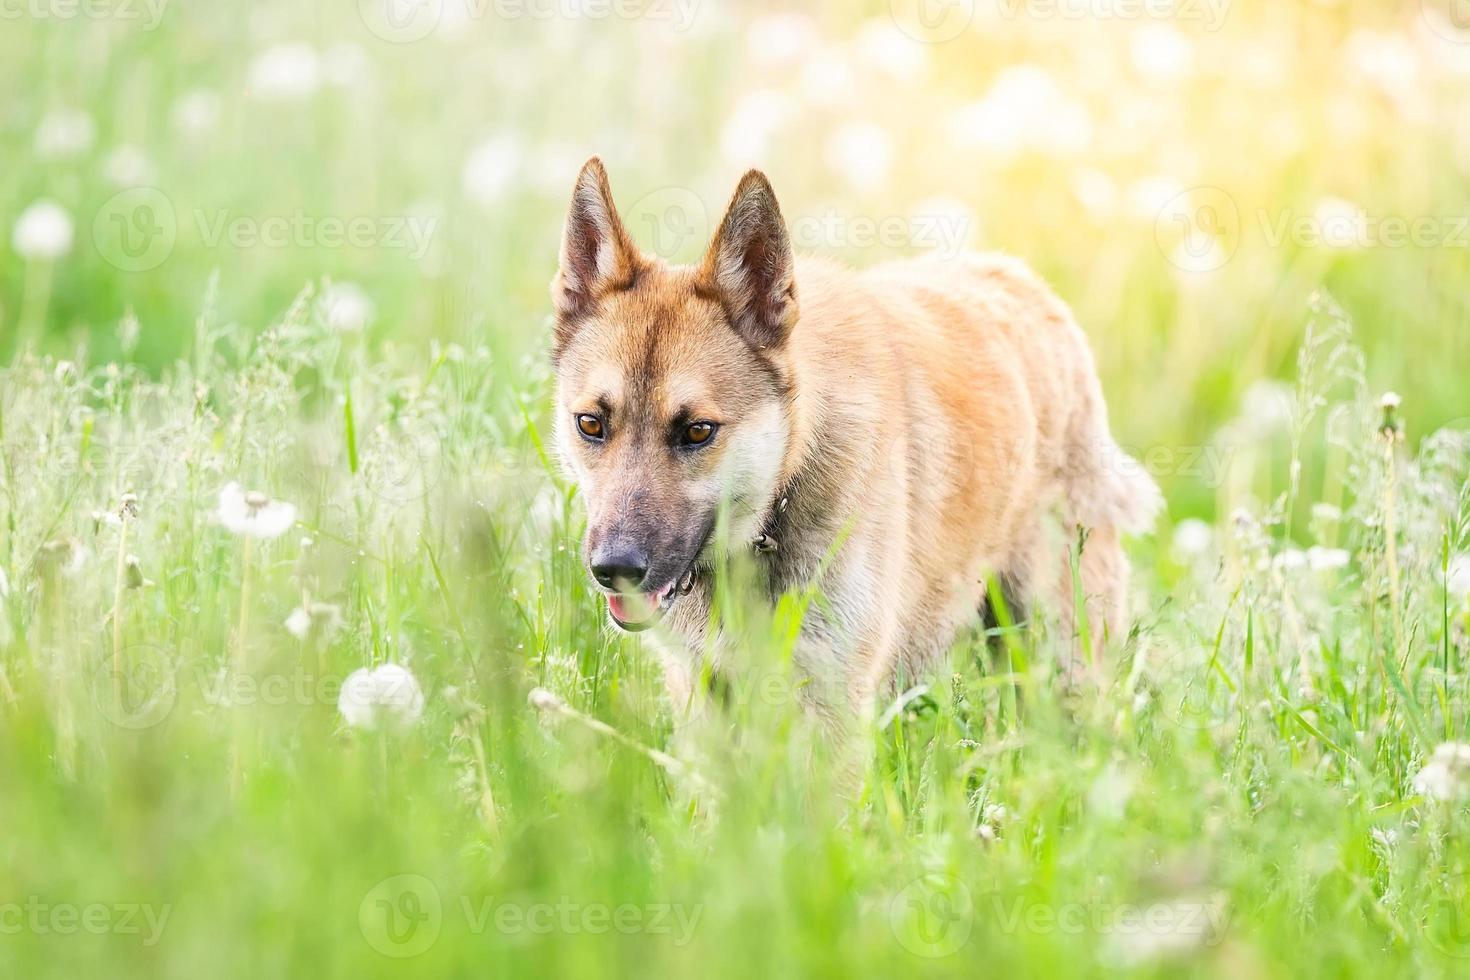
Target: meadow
[300,670]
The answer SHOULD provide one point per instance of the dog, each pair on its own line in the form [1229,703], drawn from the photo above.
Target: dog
[894,437]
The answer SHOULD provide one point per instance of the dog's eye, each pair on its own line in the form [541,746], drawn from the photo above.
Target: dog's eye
[591,427]
[698,433]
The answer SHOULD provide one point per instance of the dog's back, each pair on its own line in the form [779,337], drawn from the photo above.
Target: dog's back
[978,412]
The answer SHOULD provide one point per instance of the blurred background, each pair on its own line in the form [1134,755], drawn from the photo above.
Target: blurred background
[1187,173]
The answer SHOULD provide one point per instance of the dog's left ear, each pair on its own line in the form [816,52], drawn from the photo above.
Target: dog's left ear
[750,265]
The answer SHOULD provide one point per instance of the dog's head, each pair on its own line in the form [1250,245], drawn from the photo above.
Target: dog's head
[673,389]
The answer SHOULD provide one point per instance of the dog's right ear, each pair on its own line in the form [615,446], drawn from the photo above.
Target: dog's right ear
[596,253]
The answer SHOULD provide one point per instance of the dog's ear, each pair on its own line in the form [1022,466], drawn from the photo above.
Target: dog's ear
[596,252]
[750,265]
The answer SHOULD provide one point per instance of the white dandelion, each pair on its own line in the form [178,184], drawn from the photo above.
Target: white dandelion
[384,697]
[1458,581]
[43,232]
[491,169]
[346,308]
[781,39]
[196,113]
[285,72]
[65,133]
[1161,53]
[128,166]
[1192,537]
[1446,776]
[316,621]
[1320,559]
[861,153]
[253,514]
[882,46]
[757,117]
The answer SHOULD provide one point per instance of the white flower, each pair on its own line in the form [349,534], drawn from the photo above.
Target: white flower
[387,697]
[1321,559]
[1290,560]
[861,153]
[1342,224]
[285,71]
[1326,513]
[491,168]
[43,232]
[1149,197]
[1447,774]
[347,308]
[543,700]
[64,133]
[758,115]
[882,46]
[4,585]
[1095,191]
[128,166]
[1024,109]
[1161,53]
[1192,536]
[314,620]
[254,514]
[1266,408]
[345,65]
[1459,578]
[780,39]
[196,112]
[826,77]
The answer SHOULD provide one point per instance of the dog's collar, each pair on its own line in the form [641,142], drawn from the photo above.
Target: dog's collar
[765,542]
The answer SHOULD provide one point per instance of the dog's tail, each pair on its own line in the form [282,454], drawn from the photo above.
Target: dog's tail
[1107,488]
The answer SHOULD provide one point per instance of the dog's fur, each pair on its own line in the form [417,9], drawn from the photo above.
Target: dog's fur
[934,416]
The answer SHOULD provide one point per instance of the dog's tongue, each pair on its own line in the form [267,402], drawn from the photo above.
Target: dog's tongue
[631,608]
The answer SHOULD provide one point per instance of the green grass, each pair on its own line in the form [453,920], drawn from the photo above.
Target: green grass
[182,794]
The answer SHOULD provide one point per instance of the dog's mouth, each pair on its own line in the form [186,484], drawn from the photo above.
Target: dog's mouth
[635,612]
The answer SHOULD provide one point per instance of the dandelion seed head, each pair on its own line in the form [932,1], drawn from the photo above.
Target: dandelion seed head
[253,514]
[385,697]
[43,232]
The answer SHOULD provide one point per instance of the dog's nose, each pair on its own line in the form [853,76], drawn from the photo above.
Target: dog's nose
[619,568]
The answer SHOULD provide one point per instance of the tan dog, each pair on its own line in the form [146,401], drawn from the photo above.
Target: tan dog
[934,416]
